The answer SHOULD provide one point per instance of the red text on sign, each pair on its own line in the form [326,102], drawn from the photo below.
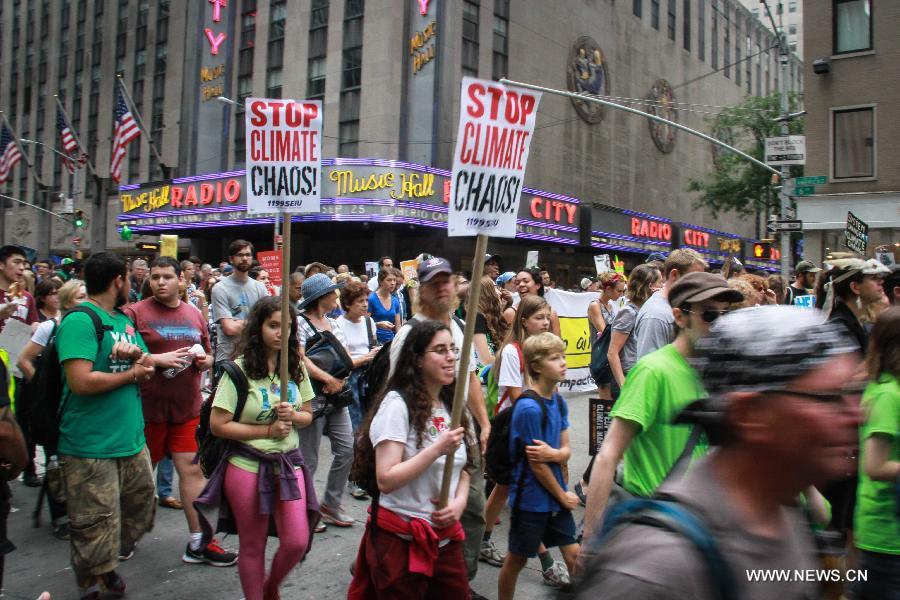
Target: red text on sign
[553,210]
[696,238]
[516,106]
[282,113]
[651,229]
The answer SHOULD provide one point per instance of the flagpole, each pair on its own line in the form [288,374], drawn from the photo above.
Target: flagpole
[140,122]
[34,174]
[90,163]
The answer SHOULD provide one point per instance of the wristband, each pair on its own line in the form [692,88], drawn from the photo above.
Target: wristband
[133,375]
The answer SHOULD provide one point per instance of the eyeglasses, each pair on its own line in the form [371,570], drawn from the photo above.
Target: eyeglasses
[244,255]
[834,397]
[443,351]
[708,315]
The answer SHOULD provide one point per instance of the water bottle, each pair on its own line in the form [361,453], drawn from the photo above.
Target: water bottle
[173,371]
[196,350]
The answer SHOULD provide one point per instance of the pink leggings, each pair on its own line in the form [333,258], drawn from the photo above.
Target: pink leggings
[293,533]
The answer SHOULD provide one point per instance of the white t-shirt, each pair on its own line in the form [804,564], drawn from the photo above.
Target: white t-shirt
[391,422]
[41,335]
[357,340]
[510,374]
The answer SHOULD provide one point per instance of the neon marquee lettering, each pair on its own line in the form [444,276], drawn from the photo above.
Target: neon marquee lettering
[651,229]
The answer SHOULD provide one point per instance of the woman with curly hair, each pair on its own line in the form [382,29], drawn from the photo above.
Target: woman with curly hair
[412,548]
[266,432]
[490,326]
[530,282]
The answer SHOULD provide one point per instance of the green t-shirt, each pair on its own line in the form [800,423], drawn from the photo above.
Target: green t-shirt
[263,397]
[657,388]
[877,528]
[109,425]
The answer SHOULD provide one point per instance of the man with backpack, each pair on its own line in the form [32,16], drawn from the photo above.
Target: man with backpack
[658,387]
[106,466]
[437,288]
[176,335]
[781,416]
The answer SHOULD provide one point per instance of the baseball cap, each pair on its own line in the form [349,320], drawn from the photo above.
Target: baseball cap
[656,256]
[806,266]
[492,257]
[759,348]
[697,287]
[504,277]
[586,282]
[228,269]
[432,266]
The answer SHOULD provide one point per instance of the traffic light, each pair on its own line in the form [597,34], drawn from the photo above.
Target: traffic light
[762,250]
[78,220]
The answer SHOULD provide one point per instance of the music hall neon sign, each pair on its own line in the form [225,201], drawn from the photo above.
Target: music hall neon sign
[646,228]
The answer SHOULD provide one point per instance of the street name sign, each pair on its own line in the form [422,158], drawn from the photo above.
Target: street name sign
[786,150]
[817,180]
[802,190]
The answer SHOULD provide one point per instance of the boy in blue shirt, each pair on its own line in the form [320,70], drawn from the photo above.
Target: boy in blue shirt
[539,445]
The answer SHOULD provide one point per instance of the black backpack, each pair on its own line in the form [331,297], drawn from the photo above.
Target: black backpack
[46,389]
[211,448]
[498,462]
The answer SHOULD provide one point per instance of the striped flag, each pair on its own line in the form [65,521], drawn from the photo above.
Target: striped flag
[69,144]
[9,153]
[126,131]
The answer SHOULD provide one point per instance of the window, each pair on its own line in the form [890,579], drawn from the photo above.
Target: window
[273,83]
[701,29]
[470,38]
[852,25]
[853,139]
[351,79]
[686,18]
[726,60]
[637,8]
[748,62]
[792,6]
[318,46]
[654,14]
[670,21]
[714,50]
[500,63]
[348,144]
[351,76]
[737,48]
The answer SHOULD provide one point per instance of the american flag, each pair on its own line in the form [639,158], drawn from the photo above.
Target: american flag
[69,144]
[9,153]
[126,131]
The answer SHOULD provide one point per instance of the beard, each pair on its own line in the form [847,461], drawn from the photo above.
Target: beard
[242,267]
[121,297]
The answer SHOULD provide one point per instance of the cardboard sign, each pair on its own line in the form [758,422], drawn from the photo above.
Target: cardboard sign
[496,124]
[410,269]
[372,269]
[270,261]
[284,155]
[599,420]
[856,234]
[168,245]
[603,263]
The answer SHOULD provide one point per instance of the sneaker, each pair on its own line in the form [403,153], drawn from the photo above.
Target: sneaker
[61,531]
[335,516]
[473,595]
[320,527]
[490,554]
[114,584]
[358,493]
[557,575]
[213,555]
[32,480]
[126,553]
[579,491]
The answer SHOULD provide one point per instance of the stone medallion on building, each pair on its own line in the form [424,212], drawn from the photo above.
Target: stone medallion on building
[586,74]
[661,102]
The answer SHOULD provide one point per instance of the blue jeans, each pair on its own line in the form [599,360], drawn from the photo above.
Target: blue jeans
[883,577]
[164,473]
[357,383]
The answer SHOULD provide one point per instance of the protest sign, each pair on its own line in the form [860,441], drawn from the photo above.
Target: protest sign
[602,263]
[410,269]
[284,159]
[271,262]
[531,259]
[496,124]
[168,245]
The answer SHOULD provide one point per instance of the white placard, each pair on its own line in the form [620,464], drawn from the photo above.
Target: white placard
[786,150]
[13,339]
[284,155]
[496,124]
[531,259]
[603,263]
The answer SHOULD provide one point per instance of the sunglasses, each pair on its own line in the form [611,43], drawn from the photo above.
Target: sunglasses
[834,397]
[708,315]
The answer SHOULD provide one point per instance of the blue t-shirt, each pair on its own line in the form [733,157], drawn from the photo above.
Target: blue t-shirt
[376,309]
[527,426]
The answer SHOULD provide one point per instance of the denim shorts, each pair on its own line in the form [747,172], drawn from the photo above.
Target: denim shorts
[528,529]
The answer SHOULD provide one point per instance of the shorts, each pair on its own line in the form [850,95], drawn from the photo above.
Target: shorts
[167,438]
[529,529]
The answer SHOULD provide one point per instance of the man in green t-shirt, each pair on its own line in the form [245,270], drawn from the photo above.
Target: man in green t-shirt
[106,467]
[657,388]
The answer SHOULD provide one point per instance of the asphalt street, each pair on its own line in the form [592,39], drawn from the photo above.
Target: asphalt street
[156,572]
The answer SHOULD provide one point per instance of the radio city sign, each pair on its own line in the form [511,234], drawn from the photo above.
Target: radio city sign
[353,190]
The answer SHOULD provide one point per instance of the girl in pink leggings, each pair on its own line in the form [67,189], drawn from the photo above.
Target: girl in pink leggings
[266,428]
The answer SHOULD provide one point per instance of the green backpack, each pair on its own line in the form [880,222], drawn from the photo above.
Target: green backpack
[489,375]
